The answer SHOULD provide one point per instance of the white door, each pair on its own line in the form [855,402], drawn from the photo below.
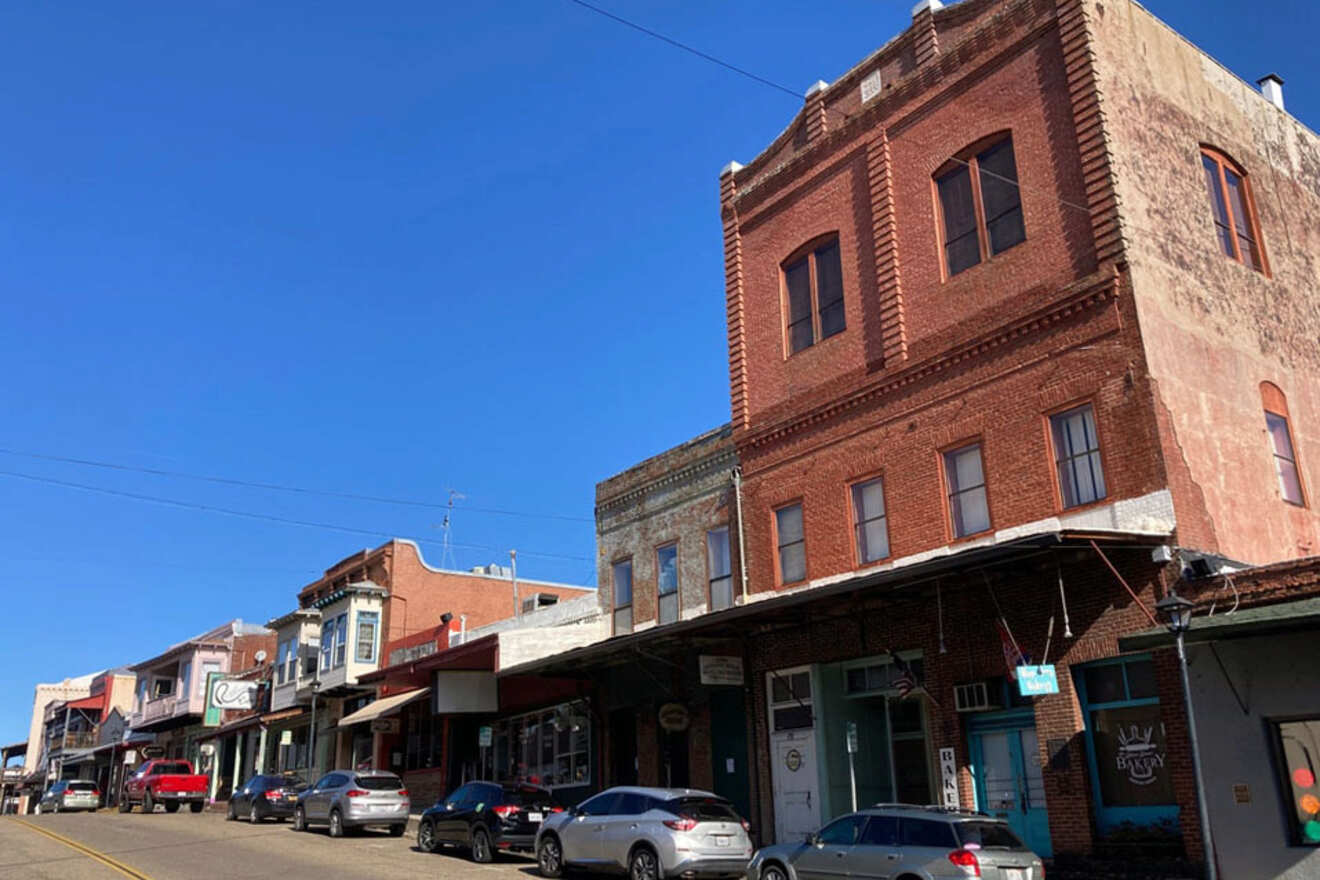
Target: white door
[797,802]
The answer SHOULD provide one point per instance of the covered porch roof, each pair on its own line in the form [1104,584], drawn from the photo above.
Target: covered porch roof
[1263,620]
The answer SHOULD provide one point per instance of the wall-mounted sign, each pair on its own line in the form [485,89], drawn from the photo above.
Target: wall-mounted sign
[852,737]
[385,725]
[130,756]
[948,779]
[674,717]
[793,760]
[717,670]
[413,652]
[149,752]
[1035,681]
[485,736]
[286,737]
[230,693]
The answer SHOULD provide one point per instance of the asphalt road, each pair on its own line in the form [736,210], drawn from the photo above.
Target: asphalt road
[109,846]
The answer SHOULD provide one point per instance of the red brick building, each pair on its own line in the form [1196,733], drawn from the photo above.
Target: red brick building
[1021,310]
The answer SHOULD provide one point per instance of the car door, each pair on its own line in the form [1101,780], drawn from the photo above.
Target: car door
[317,803]
[446,821]
[622,828]
[581,835]
[876,855]
[243,797]
[826,858]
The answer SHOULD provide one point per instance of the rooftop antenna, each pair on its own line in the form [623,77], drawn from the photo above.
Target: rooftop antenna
[447,552]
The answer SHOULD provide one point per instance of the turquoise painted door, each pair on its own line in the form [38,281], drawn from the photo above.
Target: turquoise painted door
[1009,784]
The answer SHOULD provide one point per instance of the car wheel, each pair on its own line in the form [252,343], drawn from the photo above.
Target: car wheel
[252,815]
[550,858]
[125,805]
[299,819]
[397,830]
[148,802]
[426,837]
[336,824]
[196,806]
[773,872]
[171,807]
[482,853]
[643,865]
[230,815]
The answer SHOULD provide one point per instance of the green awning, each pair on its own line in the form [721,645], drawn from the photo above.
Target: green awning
[1263,620]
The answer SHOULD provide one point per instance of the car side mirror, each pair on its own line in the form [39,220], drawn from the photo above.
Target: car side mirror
[449,806]
[813,839]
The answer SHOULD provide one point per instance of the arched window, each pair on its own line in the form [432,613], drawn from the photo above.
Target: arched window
[1233,209]
[813,294]
[980,207]
[1281,443]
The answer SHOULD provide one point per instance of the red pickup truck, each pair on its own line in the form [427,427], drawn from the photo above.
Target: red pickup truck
[168,782]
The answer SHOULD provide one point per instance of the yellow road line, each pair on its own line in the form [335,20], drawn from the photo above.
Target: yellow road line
[114,864]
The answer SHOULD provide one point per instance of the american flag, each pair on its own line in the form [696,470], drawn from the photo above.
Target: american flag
[905,682]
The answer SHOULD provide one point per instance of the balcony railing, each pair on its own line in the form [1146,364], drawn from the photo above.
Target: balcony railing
[159,708]
[80,739]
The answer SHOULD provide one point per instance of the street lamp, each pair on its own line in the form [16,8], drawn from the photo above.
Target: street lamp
[1177,613]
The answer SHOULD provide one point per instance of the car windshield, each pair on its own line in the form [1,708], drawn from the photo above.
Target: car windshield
[292,783]
[380,783]
[703,809]
[81,786]
[527,796]
[171,770]
[987,835]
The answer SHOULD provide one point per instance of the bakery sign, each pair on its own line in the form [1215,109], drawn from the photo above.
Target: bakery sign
[717,670]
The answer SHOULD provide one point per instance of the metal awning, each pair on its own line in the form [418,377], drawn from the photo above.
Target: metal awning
[1263,620]
[382,707]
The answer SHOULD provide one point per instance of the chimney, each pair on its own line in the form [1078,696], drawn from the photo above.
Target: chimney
[1271,86]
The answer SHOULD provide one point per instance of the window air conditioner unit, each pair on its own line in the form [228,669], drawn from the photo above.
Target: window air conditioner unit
[973,696]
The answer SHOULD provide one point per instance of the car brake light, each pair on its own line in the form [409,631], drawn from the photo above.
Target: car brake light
[504,811]
[556,809]
[747,826]
[273,795]
[403,792]
[966,860]
[356,792]
[682,823]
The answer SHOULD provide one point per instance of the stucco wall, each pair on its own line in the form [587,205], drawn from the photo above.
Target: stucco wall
[1274,680]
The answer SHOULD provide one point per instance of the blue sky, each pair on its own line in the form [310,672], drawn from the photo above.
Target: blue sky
[380,249]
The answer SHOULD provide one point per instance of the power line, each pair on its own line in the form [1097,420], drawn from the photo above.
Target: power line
[283,487]
[266,517]
[686,48]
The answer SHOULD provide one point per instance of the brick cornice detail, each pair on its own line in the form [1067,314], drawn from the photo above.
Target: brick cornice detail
[884,230]
[1087,294]
[733,302]
[724,460]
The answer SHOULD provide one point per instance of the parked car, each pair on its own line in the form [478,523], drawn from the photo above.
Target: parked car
[70,794]
[652,833]
[264,796]
[345,800]
[487,817]
[165,781]
[904,842]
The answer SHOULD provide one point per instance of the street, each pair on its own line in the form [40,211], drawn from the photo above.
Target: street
[109,846]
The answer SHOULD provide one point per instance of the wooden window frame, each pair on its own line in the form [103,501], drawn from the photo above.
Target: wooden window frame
[1275,403]
[678,583]
[615,607]
[968,158]
[851,501]
[943,454]
[710,580]
[1049,416]
[774,531]
[808,252]
[1222,161]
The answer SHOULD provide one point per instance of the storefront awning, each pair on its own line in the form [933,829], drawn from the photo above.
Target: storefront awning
[96,702]
[1264,620]
[383,707]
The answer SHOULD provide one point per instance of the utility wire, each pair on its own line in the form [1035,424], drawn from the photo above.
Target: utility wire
[686,48]
[279,487]
[266,517]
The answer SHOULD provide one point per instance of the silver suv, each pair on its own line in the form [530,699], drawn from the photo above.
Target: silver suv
[347,799]
[653,833]
[903,842]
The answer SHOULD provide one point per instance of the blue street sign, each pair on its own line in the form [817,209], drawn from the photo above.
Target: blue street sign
[1033,681]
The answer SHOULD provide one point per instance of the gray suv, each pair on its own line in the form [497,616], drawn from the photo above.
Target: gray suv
[348,799]
[652,833]
[902,842]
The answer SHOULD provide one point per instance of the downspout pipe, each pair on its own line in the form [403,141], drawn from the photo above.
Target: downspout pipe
[742,543]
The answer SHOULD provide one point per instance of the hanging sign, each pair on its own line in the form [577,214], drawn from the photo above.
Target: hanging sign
[674,717]
[716,670]
[1035,681]
[231,693]
[211,717]
[385,725]
[948,779]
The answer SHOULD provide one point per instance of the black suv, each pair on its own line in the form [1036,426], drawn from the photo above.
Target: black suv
[485,817]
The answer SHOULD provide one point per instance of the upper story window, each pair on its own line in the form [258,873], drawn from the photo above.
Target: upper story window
[1077,456]
[813,294]
[666,583]
[791,543]
[623,617]
[719,568]
[341,639]
[980,205]
[1233,208]
[367,624]
[969,510]
[1281,444]
[283,671]
[870,524]
[185,676]
[327,643]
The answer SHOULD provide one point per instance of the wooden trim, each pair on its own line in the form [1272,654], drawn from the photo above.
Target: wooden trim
[1223,161]
[851,507]
[807,251]
[1052,453]
[1274,402]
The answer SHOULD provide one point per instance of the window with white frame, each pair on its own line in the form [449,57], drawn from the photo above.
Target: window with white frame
[282,662]
[208,667]
[790,700]
[666,583]
[291,661]
[367,624]
[719,568]
[1077,456]
[185,676]
[341,639]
